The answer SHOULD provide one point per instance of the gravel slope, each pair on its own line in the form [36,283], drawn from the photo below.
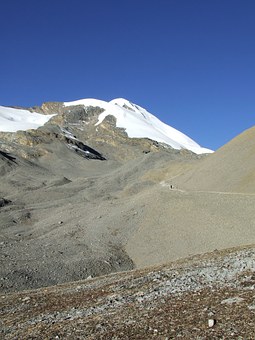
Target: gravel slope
[205,297]
[229,169]
[66,223]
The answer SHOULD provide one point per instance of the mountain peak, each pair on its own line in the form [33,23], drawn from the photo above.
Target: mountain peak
[134,119]
[139,123]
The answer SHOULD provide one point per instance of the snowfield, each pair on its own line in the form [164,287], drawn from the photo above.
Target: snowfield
[139,123]
[12,120]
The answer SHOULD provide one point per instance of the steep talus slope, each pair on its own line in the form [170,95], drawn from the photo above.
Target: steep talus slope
[67,223]
[230,169]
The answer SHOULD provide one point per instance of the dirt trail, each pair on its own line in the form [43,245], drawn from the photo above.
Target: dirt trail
[173,188]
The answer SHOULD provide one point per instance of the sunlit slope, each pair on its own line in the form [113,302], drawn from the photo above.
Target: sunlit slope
[229,169]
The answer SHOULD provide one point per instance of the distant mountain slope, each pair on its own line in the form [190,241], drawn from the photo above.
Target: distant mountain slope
[229,169]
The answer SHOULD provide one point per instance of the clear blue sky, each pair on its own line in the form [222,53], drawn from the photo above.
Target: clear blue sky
[189,62]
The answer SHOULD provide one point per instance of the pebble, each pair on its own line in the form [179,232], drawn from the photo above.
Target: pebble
[211,322]
[27,298]
[235,299]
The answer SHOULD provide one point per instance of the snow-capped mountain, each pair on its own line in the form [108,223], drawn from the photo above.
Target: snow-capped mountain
[137,122]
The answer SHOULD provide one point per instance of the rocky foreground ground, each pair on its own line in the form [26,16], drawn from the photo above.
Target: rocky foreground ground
[209,296]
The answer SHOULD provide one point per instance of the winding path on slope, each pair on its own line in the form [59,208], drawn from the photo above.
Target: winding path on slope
[172,187]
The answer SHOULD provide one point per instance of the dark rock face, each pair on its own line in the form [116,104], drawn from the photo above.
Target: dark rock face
[80,114]
[84,150]
[4,202]
[5,155]
[7,162]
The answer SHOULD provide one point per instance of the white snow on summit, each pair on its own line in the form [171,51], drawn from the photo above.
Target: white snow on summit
[12,120]
[139,123]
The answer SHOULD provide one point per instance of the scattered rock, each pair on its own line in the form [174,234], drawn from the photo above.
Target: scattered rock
[109,305]
[26,299]
[235,299]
